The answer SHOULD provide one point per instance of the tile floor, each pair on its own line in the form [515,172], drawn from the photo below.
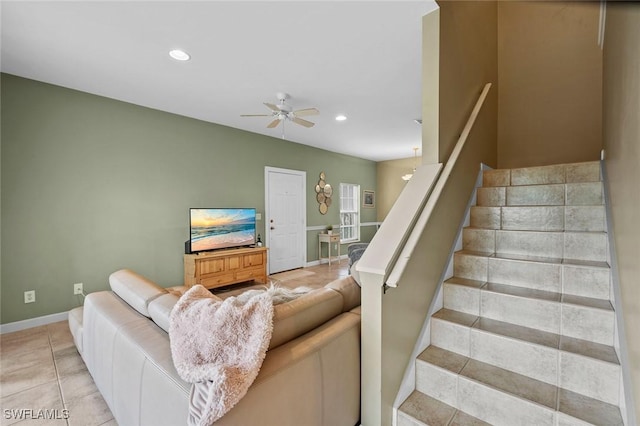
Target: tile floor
[43,380]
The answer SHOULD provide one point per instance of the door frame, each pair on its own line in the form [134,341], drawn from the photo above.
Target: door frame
[303,209]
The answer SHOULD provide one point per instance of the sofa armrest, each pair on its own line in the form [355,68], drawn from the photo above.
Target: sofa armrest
[75,326]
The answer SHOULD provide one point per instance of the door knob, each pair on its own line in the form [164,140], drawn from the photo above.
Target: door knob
[272,228]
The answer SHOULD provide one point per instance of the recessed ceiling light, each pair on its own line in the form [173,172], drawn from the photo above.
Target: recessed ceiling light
[179,55]
[341,117]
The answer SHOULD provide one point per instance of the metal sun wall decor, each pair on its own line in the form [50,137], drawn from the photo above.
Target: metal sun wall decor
[323,194]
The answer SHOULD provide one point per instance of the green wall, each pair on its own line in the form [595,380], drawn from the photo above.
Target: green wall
[91,185]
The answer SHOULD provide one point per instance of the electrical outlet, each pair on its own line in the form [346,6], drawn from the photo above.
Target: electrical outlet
[29,296]
[77,288]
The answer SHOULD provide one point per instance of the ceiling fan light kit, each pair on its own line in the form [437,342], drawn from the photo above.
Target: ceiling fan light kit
[284,112]
[179,55]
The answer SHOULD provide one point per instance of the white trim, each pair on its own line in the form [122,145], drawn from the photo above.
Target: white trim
[33,322]
[267,215]
[601,23]
[371,224]
[326,261]
[323,227]
[627,402]
[319,227]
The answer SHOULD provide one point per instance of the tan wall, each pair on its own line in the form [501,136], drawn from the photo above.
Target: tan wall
[550,78]
[390,183]
[468,33]
[468,60]
[430,86]
[622,146]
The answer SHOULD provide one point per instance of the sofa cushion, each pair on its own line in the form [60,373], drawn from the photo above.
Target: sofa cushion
[350,291]
[295,318]
[135,289]
[160,309]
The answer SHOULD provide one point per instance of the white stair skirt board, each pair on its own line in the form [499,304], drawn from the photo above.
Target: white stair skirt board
[527,329]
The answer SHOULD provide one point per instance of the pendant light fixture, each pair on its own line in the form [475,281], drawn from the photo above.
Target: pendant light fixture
[408,176]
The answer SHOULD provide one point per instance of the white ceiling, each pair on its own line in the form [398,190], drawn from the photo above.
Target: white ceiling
[358,58]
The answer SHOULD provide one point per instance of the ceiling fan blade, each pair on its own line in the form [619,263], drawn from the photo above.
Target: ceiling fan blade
[272,106]
[255,115]
[274,123]
[302,122]
[307,111]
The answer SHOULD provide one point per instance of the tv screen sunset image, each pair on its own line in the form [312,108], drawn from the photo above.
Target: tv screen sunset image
[222,228]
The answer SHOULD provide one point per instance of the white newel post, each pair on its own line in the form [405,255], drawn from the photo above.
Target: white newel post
[371,349]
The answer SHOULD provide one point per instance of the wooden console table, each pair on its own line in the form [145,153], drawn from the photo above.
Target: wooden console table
[224,267]
[329,239]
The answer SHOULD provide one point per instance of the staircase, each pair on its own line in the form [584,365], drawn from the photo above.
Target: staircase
[527,330]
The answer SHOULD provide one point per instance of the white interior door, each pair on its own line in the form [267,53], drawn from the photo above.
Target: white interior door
[285,216]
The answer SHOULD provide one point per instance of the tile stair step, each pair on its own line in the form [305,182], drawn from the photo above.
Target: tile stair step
[419,409]
[588,246]
[535,195]
[585,218]
[538,175]
[491,197]
[559,194]
[477,239]
[486,217]
[569,344]
[539,218]
[499,396]
[545,295]
[536,218]
[580,317]
[496,177]
[561,173]
[581,246]
[571,277]
[471,264]
[535,273]
[463,295]
[565,261]
[544,356]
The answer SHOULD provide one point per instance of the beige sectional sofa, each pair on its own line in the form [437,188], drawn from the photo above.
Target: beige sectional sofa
[310,375]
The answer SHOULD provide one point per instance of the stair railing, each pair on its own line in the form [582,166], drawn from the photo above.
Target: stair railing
[416,231]
[382,266]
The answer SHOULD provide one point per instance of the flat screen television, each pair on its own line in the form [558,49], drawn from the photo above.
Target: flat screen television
[219,228]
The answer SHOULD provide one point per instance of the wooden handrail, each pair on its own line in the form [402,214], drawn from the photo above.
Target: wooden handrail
[421,222]
[391,247]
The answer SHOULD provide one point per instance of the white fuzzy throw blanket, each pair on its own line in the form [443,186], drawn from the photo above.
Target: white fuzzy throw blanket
[219,346]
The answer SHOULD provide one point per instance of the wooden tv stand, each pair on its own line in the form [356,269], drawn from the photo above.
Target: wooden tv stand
[223,267]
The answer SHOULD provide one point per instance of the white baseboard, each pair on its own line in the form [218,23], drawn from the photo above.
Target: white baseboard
[33,322]
[326,262]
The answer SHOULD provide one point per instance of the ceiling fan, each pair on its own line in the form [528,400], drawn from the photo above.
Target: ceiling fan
[283,112]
